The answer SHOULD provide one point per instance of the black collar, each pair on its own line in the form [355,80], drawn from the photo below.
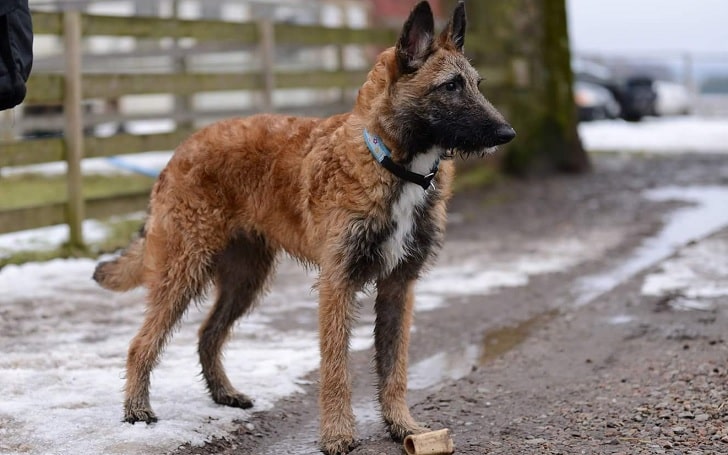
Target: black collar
[381,153]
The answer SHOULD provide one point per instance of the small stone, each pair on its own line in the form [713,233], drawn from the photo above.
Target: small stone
[249,426]
[678,429]
[686,415]
[702,417]
[535,441]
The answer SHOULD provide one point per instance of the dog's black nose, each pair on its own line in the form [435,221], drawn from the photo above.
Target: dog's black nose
[504,134]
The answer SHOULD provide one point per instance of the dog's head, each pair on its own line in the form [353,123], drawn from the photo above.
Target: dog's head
[424,92]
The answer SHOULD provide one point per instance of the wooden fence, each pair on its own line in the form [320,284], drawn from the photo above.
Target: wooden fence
[70,87]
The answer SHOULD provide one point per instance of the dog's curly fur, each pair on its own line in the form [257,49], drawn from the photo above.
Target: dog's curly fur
[239,191]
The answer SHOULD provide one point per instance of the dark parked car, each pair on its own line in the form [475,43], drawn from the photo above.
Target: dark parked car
[636,95]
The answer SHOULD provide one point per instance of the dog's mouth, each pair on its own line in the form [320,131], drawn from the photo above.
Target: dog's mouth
[450,154]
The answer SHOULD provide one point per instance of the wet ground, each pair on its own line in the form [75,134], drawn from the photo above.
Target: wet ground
[616,346]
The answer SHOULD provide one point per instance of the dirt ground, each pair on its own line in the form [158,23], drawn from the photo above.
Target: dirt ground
[622,373]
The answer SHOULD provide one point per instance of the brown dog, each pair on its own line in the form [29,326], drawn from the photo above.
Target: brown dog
[328,192]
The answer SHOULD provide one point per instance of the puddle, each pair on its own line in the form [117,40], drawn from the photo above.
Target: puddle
[620,319]
[688,304]
[500,341]
[441,367]
[684,225]
[446,366]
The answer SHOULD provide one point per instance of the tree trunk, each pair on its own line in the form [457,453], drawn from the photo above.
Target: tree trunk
[528,39]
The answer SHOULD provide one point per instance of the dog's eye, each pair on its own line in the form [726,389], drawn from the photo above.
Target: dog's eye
[453,86]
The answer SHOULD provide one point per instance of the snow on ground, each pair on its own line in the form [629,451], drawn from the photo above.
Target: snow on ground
[48,238]
[143,163]
[64,344]
[657,135]
[480,273]
[696,278]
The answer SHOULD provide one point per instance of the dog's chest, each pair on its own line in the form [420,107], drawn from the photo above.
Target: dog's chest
[404,215]
[403,218]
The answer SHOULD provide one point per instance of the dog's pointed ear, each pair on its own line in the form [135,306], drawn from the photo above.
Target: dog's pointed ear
[454,33]
[417,38]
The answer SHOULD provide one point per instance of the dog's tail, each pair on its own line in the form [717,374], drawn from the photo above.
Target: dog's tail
[125,272]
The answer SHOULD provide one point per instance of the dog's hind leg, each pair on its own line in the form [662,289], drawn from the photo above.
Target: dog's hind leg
[174,282]
[242,270]
[393,306]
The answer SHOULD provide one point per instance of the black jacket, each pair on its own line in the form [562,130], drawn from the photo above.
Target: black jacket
[16,51]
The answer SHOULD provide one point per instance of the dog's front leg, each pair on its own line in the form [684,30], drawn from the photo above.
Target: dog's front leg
[336,314]
[394,305]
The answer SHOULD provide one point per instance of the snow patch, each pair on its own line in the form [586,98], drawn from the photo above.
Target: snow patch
[64,345]
[154,161]
[657,135]
[477,275]
[698,271]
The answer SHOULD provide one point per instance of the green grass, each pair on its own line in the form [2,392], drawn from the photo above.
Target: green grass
[32,190]
[475,177]
[22,257]
[120,233]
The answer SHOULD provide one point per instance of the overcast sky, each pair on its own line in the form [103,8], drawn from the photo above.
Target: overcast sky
[646,26]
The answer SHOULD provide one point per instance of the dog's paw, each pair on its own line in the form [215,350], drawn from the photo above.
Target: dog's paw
[139,415]
[235,400]
[338,445]
[401,430]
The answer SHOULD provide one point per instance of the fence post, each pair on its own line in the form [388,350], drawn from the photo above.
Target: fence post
[182,103]
[73,128]
[341,50]
[267,56]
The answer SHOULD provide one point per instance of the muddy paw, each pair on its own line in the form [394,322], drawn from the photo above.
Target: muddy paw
[235,400]
[338,445]
[399,431]
[139,415]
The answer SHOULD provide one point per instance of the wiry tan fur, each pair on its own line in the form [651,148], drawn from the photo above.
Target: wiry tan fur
[239,191]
